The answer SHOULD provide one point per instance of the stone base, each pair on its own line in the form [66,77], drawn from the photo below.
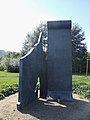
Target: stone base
[61,95]
[20,107]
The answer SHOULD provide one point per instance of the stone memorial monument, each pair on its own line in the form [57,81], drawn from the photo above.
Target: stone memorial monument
[31,68]
[59,60]
[56,75]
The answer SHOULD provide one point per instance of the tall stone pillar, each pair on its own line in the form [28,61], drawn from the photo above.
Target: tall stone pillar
[59,60]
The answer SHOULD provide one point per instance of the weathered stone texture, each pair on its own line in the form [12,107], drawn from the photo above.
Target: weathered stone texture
[59,60]
[55,74]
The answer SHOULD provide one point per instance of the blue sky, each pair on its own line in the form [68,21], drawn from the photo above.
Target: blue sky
[18,17]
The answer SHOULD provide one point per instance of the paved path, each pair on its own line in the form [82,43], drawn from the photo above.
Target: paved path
[8,76]
[79,109]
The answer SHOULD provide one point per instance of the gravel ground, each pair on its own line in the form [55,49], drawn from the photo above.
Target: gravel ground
[79,109]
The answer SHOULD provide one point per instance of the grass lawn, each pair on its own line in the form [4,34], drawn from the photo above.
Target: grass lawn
[81,85]
[2,73]
[81,79]
[8,83]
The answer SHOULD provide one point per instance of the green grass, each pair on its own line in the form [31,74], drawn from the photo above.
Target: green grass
[81,85]
[2,73]
[8,84]
[1,118]
[81,79]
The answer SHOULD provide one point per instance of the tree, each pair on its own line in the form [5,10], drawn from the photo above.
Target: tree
[88,55]
[10,62]
[13,55]
[32,38]
[79,49]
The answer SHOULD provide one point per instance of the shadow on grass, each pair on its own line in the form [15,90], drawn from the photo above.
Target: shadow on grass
[45,110]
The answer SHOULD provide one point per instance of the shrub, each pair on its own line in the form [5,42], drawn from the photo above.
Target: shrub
[1,96]
[82,89]
[87,95]
[9,89]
